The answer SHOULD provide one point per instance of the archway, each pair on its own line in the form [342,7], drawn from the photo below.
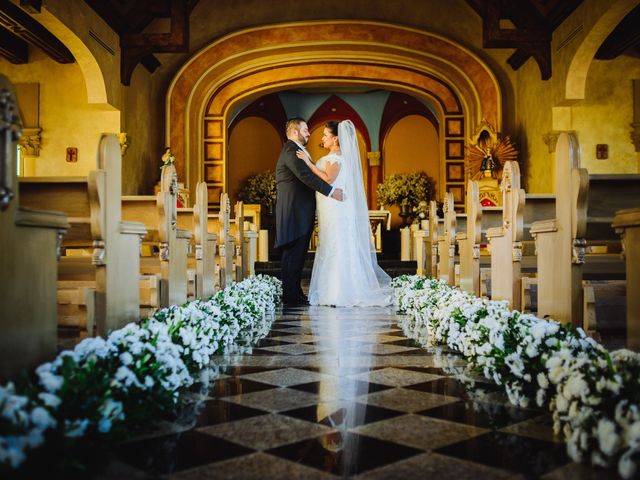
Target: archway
[252,63]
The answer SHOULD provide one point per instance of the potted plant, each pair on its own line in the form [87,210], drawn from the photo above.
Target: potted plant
[408,191]
[260,189]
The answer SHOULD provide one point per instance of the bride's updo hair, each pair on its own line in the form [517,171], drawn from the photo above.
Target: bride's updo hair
[333,127]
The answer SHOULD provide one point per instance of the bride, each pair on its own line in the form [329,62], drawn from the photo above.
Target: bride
[345,270]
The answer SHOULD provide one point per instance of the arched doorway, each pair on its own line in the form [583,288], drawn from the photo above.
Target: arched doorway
[246,65]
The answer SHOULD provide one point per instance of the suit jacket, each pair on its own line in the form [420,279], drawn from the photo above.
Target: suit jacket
[296,200]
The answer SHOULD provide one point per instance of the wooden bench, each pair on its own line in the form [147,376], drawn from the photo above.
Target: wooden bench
[96,293]
[627,223]
[506,240]
[469,242]
[585,209]
[447,242]
[30,244]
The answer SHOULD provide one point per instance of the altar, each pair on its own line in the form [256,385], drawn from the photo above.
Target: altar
[378,219]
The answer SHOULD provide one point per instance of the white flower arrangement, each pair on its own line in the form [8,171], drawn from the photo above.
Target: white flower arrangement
[135,374]
[593,395]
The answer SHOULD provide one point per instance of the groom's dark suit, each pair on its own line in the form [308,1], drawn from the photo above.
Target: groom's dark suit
[295,214]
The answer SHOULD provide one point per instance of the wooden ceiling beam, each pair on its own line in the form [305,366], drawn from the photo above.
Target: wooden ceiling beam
[12,47]
[23,25]
[624,37]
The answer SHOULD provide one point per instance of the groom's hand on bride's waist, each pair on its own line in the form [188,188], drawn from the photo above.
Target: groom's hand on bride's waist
[337,194]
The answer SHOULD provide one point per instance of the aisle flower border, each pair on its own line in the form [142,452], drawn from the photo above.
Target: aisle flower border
[105,387]
[593,394]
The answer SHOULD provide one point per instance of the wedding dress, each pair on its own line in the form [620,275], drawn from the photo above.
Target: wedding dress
[345,269]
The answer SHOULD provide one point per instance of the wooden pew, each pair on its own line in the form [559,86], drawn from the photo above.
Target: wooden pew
[226,243]
[585,208]
[506,240]
[430,246]
[174,242]
[241,254]
[106,283]
[446,242]
[30,244]
[627,224]
[205,243]
[469,242]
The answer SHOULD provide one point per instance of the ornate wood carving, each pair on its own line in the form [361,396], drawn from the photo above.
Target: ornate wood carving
[534,23]
[10,131]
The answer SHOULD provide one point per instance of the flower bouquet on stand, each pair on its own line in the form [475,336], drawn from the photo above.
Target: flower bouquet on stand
[409,191]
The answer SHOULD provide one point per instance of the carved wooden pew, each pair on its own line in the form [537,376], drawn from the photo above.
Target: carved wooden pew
[506,240]
[446,242]
[627,224]
[30,243]
[469,242]
[105,283]
[584,212]
[430,245]
[226,243]
[205,245]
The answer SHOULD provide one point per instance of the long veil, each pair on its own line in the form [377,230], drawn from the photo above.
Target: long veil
[364,253]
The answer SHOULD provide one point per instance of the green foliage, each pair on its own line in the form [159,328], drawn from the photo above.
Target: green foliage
[406,189]
[260,188]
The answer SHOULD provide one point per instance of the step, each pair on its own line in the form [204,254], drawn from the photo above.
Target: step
[394,268]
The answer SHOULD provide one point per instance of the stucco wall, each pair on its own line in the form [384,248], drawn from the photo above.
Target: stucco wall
[66,119]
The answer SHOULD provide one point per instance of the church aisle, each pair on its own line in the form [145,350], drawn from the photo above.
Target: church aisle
[333,393]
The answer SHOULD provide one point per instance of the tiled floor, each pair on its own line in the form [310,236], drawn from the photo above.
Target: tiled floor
[333,393]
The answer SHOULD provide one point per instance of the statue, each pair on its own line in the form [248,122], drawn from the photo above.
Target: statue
[486,155]
[168,157]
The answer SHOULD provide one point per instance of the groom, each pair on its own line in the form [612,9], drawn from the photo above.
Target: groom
[296,208]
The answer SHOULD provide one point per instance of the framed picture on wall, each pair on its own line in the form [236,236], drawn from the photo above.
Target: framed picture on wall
[454,127]
[458,192]
[454,149]
[455,172]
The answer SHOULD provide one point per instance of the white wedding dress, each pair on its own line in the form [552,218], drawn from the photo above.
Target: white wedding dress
[345,270]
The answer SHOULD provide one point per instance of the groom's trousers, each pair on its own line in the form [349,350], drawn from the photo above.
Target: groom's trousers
[292,263]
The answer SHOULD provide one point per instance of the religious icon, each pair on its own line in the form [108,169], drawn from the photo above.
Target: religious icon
[72,154]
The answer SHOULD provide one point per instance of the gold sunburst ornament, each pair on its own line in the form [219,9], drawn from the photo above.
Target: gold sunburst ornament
[487,156]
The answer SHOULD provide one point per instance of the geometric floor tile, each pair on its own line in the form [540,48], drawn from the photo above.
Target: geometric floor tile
[227,387]
[340,388]
[405,400]
[480,414]
[343,453]
[214,412]
[507,451]
[286,377]
[335,414]
[396,377]
[419,432]
[433,466]
[177,452]
[276,399]
[266,431]
[336,393]
[257,466]
[451,387]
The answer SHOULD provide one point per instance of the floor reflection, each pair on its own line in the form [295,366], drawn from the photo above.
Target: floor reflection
[345,351]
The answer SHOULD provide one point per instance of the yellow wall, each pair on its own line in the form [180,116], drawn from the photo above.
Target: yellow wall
[411,146]
[254,147]
[66,119]
[605,115]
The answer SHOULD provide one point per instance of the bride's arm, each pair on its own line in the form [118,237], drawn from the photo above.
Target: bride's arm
[332,168]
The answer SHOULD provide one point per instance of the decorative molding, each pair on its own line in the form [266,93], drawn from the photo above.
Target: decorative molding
[551,139]
[123,139]
[516,252]
[10,132]
[577,251]
[98,252]
[30,142]
[374,159]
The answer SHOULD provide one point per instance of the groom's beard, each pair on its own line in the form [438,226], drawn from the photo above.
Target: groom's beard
[303,141]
